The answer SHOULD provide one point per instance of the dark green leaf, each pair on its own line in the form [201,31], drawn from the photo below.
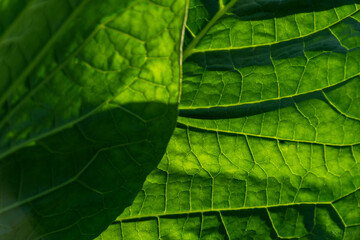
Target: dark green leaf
[88,101]
[267,144]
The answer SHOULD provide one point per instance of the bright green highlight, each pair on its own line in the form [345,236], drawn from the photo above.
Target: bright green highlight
[87,107]
[266,145]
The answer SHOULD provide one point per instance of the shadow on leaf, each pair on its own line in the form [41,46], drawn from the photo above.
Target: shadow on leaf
[80,179]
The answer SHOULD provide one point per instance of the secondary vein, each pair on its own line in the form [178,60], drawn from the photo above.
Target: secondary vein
[41,54]
[189,50]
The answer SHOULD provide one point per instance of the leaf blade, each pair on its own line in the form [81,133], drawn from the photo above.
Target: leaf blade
[79,136]
[298,180]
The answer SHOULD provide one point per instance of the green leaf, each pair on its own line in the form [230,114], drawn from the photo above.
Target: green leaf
[267,143]
[88,102]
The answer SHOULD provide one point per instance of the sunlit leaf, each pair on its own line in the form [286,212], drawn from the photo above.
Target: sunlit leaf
[88,102]
[267,144]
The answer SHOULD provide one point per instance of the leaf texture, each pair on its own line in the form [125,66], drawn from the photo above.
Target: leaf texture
[266,145]
[88,102]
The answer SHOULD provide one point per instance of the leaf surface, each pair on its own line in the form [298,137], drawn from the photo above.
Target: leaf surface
[266,145]
[88,102]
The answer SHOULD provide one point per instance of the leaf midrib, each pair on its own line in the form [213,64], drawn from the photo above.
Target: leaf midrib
[22,77]
[15,109]
[276,42]
[189,50]
[344,81]
[58,129]
[217,210]
[232,209]
[50,76]
[16,20]
[189,125]
[67,182]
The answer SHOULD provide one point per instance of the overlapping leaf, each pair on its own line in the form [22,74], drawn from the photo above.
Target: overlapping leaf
[267,143]
[88,101]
